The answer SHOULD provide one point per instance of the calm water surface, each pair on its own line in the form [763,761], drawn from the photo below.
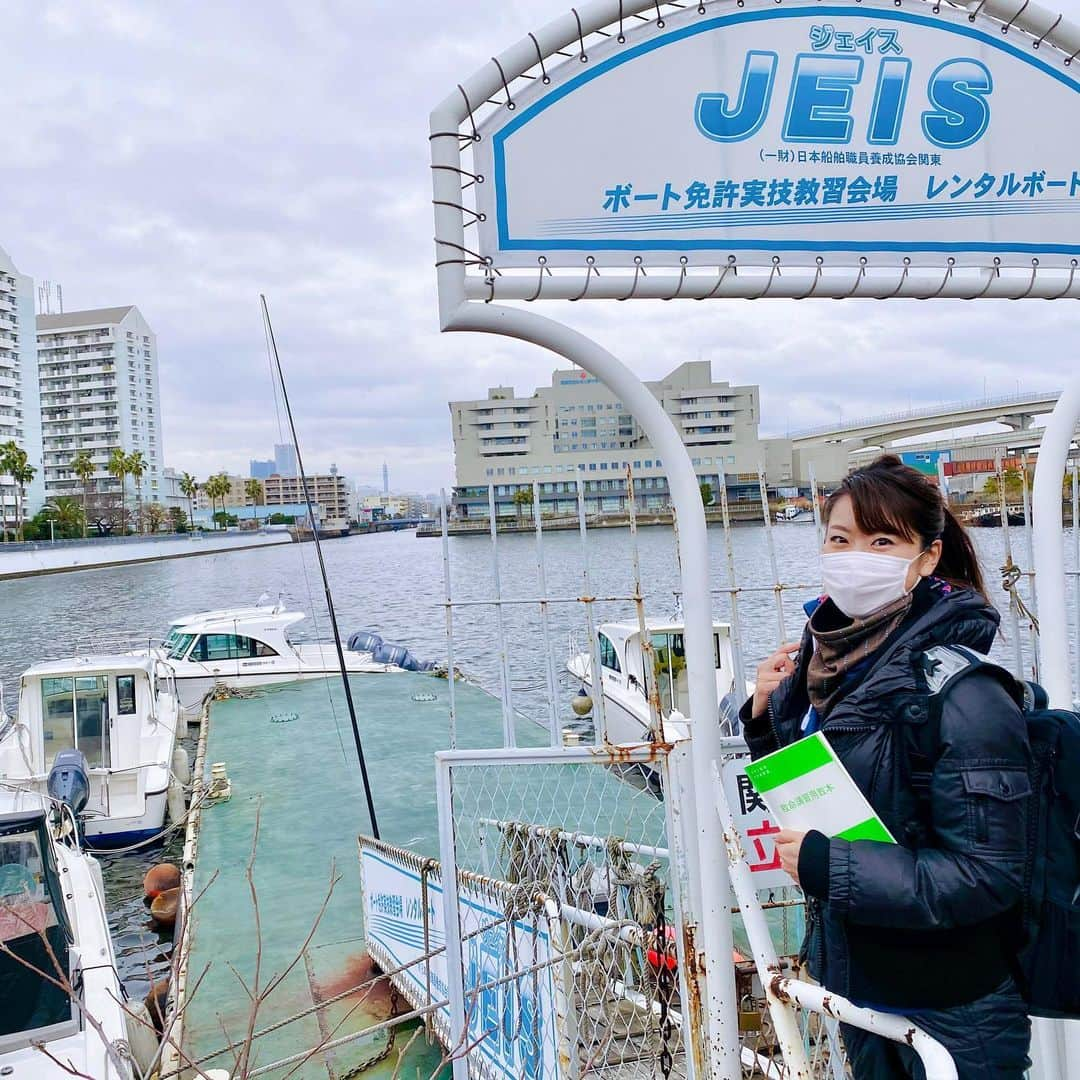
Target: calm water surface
[393,583]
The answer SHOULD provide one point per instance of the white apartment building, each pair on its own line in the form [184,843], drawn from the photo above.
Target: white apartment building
[577,429]
[20,415]
[408,505]
[99,391]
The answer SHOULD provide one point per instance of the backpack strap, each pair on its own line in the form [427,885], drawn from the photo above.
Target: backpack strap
[942,667]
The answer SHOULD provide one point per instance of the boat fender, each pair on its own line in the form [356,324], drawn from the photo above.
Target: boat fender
[175,801]
[669,960]
[141,1035]
[164,906]
[581,703]
[156,1004]
[181,765]
[159,878]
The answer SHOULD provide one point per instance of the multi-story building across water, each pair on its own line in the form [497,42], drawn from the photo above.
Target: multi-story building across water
[577,429]
[99,392]
[20,416]
[331,491]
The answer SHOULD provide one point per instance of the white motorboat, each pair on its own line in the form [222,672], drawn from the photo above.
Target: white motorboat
[622,664]
[62,1010]
[249,647]
[120,714]
[794,515]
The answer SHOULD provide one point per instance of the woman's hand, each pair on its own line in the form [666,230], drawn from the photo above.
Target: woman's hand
[771,673]
[789,844]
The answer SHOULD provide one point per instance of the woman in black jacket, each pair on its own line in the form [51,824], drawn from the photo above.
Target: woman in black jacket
[925,927]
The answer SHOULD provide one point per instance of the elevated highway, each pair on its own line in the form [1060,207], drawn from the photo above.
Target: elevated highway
[1016,411]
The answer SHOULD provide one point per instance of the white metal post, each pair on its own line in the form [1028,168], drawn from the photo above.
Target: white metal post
[597,671]
[1055,1043]
[455,972]
[509,734]
[449,621]
[549,662]
[1076,569]
[778,591]
[712,900]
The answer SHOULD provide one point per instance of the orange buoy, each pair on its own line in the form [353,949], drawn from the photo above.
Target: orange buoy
[159,878]
[156,1003]
[164,906]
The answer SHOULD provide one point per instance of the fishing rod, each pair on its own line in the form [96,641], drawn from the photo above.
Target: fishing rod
[272,344]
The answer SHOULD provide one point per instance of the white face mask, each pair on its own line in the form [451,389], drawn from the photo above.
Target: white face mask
[860,582]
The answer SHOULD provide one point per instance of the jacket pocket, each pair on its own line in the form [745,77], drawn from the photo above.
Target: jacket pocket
[995,799]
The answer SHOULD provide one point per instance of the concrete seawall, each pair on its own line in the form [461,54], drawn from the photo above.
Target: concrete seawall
[27,560]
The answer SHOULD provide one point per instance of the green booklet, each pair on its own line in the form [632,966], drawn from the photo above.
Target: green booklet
[806,787]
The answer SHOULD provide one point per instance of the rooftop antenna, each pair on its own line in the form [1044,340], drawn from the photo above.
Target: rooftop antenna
[276,359]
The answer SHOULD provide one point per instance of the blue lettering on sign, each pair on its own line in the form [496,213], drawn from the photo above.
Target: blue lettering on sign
[717,120]
[824,86]
[958,89]
[819,105]
[888,108]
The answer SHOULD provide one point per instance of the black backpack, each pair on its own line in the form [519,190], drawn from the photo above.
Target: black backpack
[1049,953]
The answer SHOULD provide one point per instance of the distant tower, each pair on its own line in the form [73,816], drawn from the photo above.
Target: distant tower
[385,479]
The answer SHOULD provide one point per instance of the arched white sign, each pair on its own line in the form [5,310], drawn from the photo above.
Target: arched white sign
[799,133]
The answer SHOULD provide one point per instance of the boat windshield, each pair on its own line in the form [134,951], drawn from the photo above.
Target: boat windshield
[33,929]
[180,646]
[172,637]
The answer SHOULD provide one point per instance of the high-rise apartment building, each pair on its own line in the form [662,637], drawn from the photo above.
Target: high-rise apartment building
[577,429]
[20,415]
[260,470]
[99,392]
[285,459]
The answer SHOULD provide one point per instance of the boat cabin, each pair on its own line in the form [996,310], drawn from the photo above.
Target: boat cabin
[33,923]
[228,645]
[119,712]
[176,627]
[623,662]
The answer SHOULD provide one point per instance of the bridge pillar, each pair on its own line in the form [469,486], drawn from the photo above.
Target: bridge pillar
[1018,422]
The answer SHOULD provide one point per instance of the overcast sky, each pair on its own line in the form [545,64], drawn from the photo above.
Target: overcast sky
[185,157]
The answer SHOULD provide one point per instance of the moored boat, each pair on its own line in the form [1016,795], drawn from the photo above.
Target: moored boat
[62,1006]
[114,720]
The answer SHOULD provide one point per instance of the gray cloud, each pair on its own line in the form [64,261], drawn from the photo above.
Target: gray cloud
[187,157]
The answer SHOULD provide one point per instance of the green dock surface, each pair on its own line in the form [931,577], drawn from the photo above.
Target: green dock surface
[290,757]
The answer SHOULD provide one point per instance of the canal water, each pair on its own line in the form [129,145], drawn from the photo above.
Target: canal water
[393,583]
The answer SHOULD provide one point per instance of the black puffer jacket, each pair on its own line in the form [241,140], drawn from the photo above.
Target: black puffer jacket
[928,922]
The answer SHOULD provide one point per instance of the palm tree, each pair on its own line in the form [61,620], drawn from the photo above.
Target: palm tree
[17,465]
[118,467]
[82,465]
[7,460]
[217,487]
[68,515]
[136,467]
[253,489]
[190,488]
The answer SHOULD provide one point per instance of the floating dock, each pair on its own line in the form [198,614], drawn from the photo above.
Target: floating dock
[291,767]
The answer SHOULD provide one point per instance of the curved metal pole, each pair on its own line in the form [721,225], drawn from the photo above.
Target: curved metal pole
[1049,548]
[711,899]
[1055,1043]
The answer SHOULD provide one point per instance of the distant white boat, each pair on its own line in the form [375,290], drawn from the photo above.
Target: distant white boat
[54,930]
[622,664]
[116,717]
[794,515]
[249,647]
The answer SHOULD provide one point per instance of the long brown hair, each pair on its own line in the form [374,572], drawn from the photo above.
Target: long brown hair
[888,496]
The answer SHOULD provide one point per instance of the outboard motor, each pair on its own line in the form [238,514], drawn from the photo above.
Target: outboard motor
[69,780]
[389,654]
[364,641]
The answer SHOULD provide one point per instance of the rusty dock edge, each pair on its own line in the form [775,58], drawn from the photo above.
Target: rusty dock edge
[171,1064]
